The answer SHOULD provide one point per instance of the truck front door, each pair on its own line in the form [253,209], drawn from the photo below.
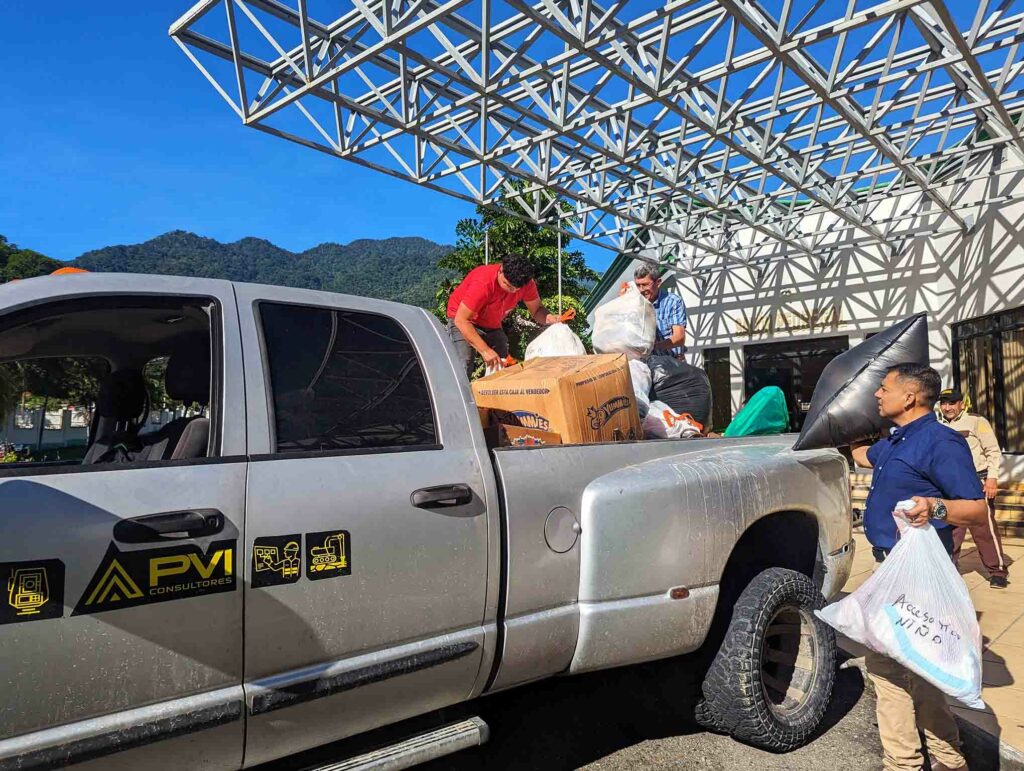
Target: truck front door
[121,502]
[366,537]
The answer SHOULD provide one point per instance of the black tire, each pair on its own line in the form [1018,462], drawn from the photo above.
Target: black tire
[771,680]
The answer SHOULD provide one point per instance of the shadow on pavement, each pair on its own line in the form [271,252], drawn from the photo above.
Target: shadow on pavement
[567,723]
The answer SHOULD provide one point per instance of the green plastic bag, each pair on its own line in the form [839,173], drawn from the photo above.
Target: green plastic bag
[764,413]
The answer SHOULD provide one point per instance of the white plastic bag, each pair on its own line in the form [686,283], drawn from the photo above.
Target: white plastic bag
[662,423]
[640,374]
[556,340]
[626,325]
[916,609]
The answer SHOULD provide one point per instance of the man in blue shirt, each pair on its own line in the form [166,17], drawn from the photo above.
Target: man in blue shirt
[923,461]
[668,309]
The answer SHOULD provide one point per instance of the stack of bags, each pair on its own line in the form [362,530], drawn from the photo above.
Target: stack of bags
[673,397]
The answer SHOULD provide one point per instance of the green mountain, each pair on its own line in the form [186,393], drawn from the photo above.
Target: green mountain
[402,269]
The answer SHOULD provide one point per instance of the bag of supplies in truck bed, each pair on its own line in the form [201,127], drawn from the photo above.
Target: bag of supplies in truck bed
[626,325]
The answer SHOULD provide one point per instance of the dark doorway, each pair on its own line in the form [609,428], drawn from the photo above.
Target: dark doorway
[716,364]
[793,366]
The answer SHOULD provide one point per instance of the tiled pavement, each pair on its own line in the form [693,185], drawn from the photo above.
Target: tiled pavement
[1001,615]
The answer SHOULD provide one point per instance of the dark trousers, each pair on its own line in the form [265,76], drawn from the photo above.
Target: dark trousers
[945,535]
[986,538]
[496,338]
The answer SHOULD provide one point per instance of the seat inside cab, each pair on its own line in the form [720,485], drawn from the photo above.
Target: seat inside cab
[107,381]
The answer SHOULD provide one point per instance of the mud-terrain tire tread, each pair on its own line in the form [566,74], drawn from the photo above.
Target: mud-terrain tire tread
[734,699]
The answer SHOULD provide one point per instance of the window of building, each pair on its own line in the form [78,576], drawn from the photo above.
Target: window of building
[343,380]
[794,366]
[988,364]
[716,364]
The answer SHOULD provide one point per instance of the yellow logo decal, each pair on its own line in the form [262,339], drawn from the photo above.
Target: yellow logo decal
[329,554]
[28,590]
[115,585]
[31,591]
[128,578]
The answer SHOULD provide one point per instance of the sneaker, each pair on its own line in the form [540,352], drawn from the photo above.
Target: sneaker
[998,582]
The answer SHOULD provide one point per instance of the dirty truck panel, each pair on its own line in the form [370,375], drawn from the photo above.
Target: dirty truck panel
[324,545]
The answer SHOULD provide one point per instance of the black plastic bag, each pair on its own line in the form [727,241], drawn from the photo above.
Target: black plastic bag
[843,407]
[682,387]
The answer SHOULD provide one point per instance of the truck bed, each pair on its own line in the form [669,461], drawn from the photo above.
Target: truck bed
[656,498]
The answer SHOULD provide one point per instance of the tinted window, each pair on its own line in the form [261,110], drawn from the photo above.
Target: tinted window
[343,380]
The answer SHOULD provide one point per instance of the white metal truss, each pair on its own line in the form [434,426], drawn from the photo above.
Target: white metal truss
[699,131]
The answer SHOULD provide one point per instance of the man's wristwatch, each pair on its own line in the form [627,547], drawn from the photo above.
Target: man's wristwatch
[939,510]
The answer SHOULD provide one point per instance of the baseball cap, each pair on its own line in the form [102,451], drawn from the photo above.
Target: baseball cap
[951,395]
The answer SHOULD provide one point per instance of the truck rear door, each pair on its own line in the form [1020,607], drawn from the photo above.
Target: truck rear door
[120,608]
[366,529]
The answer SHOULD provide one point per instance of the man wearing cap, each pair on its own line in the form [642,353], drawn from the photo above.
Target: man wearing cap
[981,439]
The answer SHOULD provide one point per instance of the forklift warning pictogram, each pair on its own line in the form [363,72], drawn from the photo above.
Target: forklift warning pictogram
[32,590]
[329,554]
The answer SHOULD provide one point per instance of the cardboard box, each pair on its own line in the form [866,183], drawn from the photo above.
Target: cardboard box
[517,436]
[581,398]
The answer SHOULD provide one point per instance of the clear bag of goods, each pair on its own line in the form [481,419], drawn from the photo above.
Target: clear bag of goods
[682,386]
[916,609]
[556,340]
[640,374]
[626,325]
[661,422]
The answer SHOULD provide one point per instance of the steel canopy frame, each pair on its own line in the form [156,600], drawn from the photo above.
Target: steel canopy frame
[700,133]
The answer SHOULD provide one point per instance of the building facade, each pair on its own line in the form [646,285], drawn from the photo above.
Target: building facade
[780,318]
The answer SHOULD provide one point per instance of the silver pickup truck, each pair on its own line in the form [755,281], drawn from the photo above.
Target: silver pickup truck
[322,544]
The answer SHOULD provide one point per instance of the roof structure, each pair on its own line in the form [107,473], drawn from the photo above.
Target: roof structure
[699,133]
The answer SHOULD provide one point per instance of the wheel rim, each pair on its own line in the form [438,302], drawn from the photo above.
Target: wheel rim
[789,661]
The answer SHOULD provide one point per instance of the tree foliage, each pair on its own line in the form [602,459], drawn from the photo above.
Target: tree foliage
[508,234]
[18,263]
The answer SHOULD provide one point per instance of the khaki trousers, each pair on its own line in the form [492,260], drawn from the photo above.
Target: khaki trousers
[905,707]
[986,539]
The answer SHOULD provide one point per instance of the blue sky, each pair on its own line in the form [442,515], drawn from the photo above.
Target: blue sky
[108,135]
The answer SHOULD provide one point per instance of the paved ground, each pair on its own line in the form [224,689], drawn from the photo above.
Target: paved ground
[635,719]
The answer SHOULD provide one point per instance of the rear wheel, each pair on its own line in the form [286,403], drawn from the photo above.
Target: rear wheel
[771,680]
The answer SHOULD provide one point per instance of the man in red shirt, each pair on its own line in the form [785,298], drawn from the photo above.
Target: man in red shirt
[482,301]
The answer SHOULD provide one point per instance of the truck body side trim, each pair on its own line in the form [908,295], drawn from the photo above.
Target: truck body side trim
[123,738]
[320,687]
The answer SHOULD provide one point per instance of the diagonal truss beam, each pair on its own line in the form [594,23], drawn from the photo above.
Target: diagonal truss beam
[767,31]
[717,164]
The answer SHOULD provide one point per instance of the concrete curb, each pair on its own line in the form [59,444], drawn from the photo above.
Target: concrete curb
[984,751]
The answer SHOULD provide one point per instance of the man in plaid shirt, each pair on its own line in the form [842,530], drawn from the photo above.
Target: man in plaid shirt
[668,308]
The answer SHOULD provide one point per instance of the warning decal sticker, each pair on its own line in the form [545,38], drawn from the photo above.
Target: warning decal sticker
[125,579]
[31,591]
[276,559]
[328,554]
